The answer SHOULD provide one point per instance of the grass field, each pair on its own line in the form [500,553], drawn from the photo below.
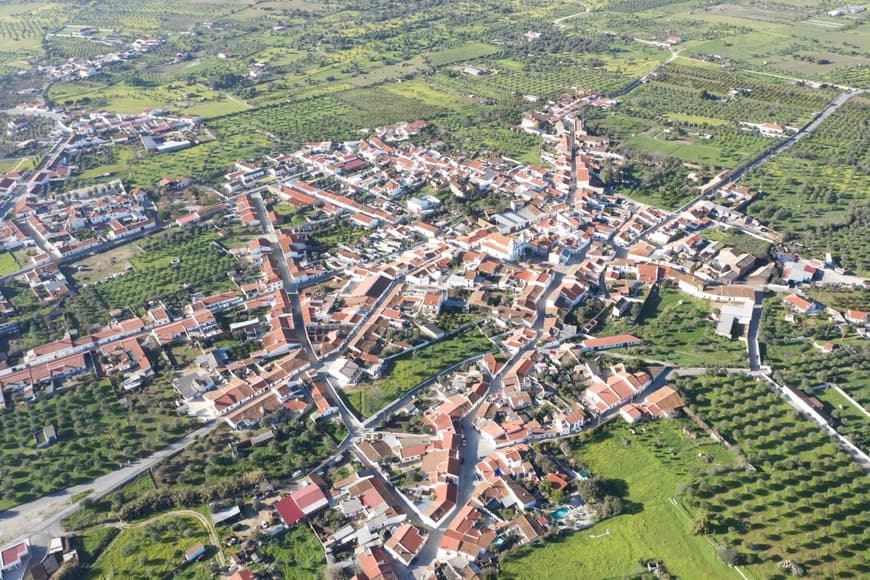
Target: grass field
[297,554]
[93,541]
[650,466]
[95,268]
[91,514]
[411,369]
[150,551]
[8,265]
[124,98]
[678,330]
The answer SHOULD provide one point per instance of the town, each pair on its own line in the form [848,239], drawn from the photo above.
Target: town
[434,290]
[436,470]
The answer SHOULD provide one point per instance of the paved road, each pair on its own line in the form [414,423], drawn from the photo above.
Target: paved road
[351,423]
[752,350]
[558,22]
[46,514]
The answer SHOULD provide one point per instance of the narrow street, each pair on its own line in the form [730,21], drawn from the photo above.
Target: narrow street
[351,423]
[752,348]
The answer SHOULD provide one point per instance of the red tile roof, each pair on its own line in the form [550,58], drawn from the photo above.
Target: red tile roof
[289,511]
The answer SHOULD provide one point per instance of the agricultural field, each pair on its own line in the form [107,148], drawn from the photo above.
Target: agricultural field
[22,25]
[841,298]
[687,119]
[315,81]
[678,329]
[818,192]
[170,265]
[264,76]
[411,369]
[804,499]
[340,116]
[123,97]
[792,350]
[298,444]
[206,161]
[95,432]
[652,465]
[804,366]
[151,16]
[686,123]
[699,90]
[794,38]
[849,419]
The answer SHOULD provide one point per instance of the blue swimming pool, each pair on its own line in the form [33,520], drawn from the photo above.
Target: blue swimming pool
[560,513]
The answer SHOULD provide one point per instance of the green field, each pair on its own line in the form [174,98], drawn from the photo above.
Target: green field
[687,111]
[93,541]
[172,263]
[651,466]
[8,265]
[96,435]
[678,330]
[790,348]
[150,551]
[124,98]
[92,513]
[268,76]
[818,192]
[298,444]
[803,502]
[411,369]
[296,554]
[850,421]
[292,75]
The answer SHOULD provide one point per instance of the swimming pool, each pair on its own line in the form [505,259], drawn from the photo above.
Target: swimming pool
[560,513]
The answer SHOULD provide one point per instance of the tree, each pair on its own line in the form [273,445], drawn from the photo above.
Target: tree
[701,525]
[610,507]
[728,556]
